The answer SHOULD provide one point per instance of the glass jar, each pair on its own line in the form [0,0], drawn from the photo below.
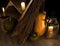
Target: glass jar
[52,28]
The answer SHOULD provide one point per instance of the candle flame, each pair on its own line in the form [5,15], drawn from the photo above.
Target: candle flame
[23,5]
[50,28]
[3,9]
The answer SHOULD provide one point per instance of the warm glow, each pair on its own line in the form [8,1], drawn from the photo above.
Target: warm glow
[23,5]
[50,28]
[40,26]
[3,9]
[50,31]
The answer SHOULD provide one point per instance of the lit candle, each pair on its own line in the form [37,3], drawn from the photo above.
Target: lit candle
[50,28]
[23,5]
[3,11]
[50,31]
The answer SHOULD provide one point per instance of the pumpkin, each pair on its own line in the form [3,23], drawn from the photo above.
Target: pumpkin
[40,25]
[34,37]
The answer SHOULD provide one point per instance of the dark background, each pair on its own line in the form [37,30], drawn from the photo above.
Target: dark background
[3,3]
[51,7]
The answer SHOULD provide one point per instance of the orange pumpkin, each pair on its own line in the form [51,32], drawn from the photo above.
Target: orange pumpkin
[40,24]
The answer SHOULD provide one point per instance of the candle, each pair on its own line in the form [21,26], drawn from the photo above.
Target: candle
[50,31]
[3,11]
[50,28]
[23,5]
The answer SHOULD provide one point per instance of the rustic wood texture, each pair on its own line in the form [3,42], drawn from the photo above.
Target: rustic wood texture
[24,27]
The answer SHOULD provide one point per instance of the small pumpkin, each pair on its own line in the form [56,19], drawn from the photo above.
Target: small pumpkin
[40,25]
[34,37]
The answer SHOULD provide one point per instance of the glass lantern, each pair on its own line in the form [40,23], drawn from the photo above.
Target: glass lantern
[52,28]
